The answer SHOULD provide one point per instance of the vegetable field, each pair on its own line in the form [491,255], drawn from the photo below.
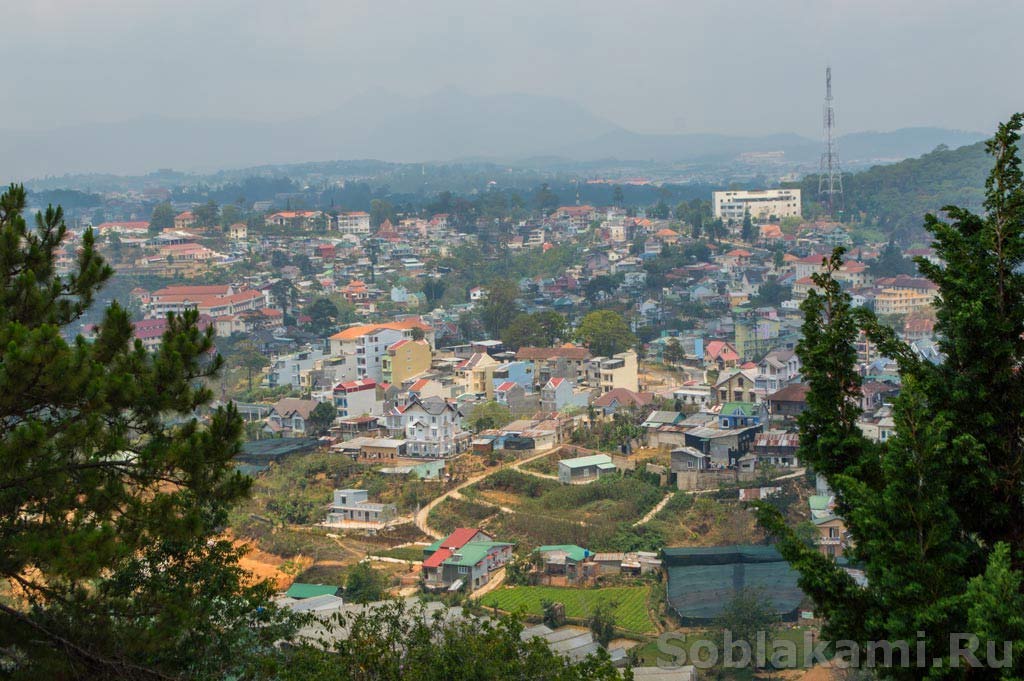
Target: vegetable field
[630,602]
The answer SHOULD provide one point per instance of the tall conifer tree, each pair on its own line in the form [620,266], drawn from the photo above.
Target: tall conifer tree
[935,513]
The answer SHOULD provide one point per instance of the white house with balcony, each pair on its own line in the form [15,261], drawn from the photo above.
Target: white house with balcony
[432,427]
[778,369]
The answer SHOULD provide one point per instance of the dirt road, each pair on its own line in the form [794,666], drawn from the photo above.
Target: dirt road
[421,516]
[654,511]
[496,580]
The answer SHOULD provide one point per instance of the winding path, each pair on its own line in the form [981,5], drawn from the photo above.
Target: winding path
[654,511]
[423,513]
[421,516]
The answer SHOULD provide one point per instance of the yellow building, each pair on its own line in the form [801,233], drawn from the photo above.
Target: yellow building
[736,385]
[404,360]
[618,371]
[902,301]
[476,374]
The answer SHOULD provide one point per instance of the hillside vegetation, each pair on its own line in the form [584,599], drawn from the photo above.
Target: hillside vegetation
[894,198]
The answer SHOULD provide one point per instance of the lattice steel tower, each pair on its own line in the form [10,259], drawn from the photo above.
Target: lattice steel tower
[830,175]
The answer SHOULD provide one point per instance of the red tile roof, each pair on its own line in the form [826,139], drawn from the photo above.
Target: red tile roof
[459,538]
[795,392]
[354,332]
[437,558]
[356,385]
[722,349]
[419,385]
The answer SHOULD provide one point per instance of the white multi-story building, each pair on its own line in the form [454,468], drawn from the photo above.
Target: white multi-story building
[357,398]
[778,369]
[358,351]
[290,369]
[357,222]
[431,427]
[762,204]
[618,371]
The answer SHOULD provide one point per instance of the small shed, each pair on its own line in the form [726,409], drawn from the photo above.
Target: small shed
[584,468]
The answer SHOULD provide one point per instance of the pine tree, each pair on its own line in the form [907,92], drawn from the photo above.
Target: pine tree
[935,512]
[111,494]
[747,233]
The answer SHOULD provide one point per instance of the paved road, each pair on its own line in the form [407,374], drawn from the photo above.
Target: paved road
[421,517]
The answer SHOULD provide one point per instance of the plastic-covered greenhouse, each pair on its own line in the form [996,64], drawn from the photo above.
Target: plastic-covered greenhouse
[702,581]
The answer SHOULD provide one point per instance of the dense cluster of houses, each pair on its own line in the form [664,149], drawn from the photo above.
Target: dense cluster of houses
[406,378]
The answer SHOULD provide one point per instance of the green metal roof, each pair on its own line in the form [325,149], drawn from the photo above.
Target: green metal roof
[584,461]
[818,502]
[299,590]
[473,552]
[577,553]
[730,409]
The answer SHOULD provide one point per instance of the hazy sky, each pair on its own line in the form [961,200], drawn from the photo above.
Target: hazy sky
[649,65]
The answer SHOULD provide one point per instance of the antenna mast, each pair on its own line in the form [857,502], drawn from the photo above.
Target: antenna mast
[830,175]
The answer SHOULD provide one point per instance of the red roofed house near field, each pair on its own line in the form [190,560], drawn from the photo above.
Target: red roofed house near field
[466,557]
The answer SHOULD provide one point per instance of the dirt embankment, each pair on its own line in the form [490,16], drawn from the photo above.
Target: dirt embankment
[264,566]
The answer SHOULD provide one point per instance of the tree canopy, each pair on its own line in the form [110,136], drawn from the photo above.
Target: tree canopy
[324,316]
[500,307]
[934,513]
[489,414]
[605,332]
[162,218]
[891,262]
[397,641]
[321,417]
[111,493]
[207,214]
[895,197]
[540,329]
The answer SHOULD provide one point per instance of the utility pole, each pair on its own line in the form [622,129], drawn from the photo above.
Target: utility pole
[830,175]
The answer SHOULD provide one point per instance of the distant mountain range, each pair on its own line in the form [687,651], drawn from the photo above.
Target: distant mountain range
[447,126]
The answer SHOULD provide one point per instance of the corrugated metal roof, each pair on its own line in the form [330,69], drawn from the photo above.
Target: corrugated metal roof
[299,590]
[584,461]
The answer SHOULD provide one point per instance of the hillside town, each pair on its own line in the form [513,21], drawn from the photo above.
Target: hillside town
[603,341]
[580,404]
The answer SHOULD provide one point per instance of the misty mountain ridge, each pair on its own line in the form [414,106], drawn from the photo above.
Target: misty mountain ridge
[449,125]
